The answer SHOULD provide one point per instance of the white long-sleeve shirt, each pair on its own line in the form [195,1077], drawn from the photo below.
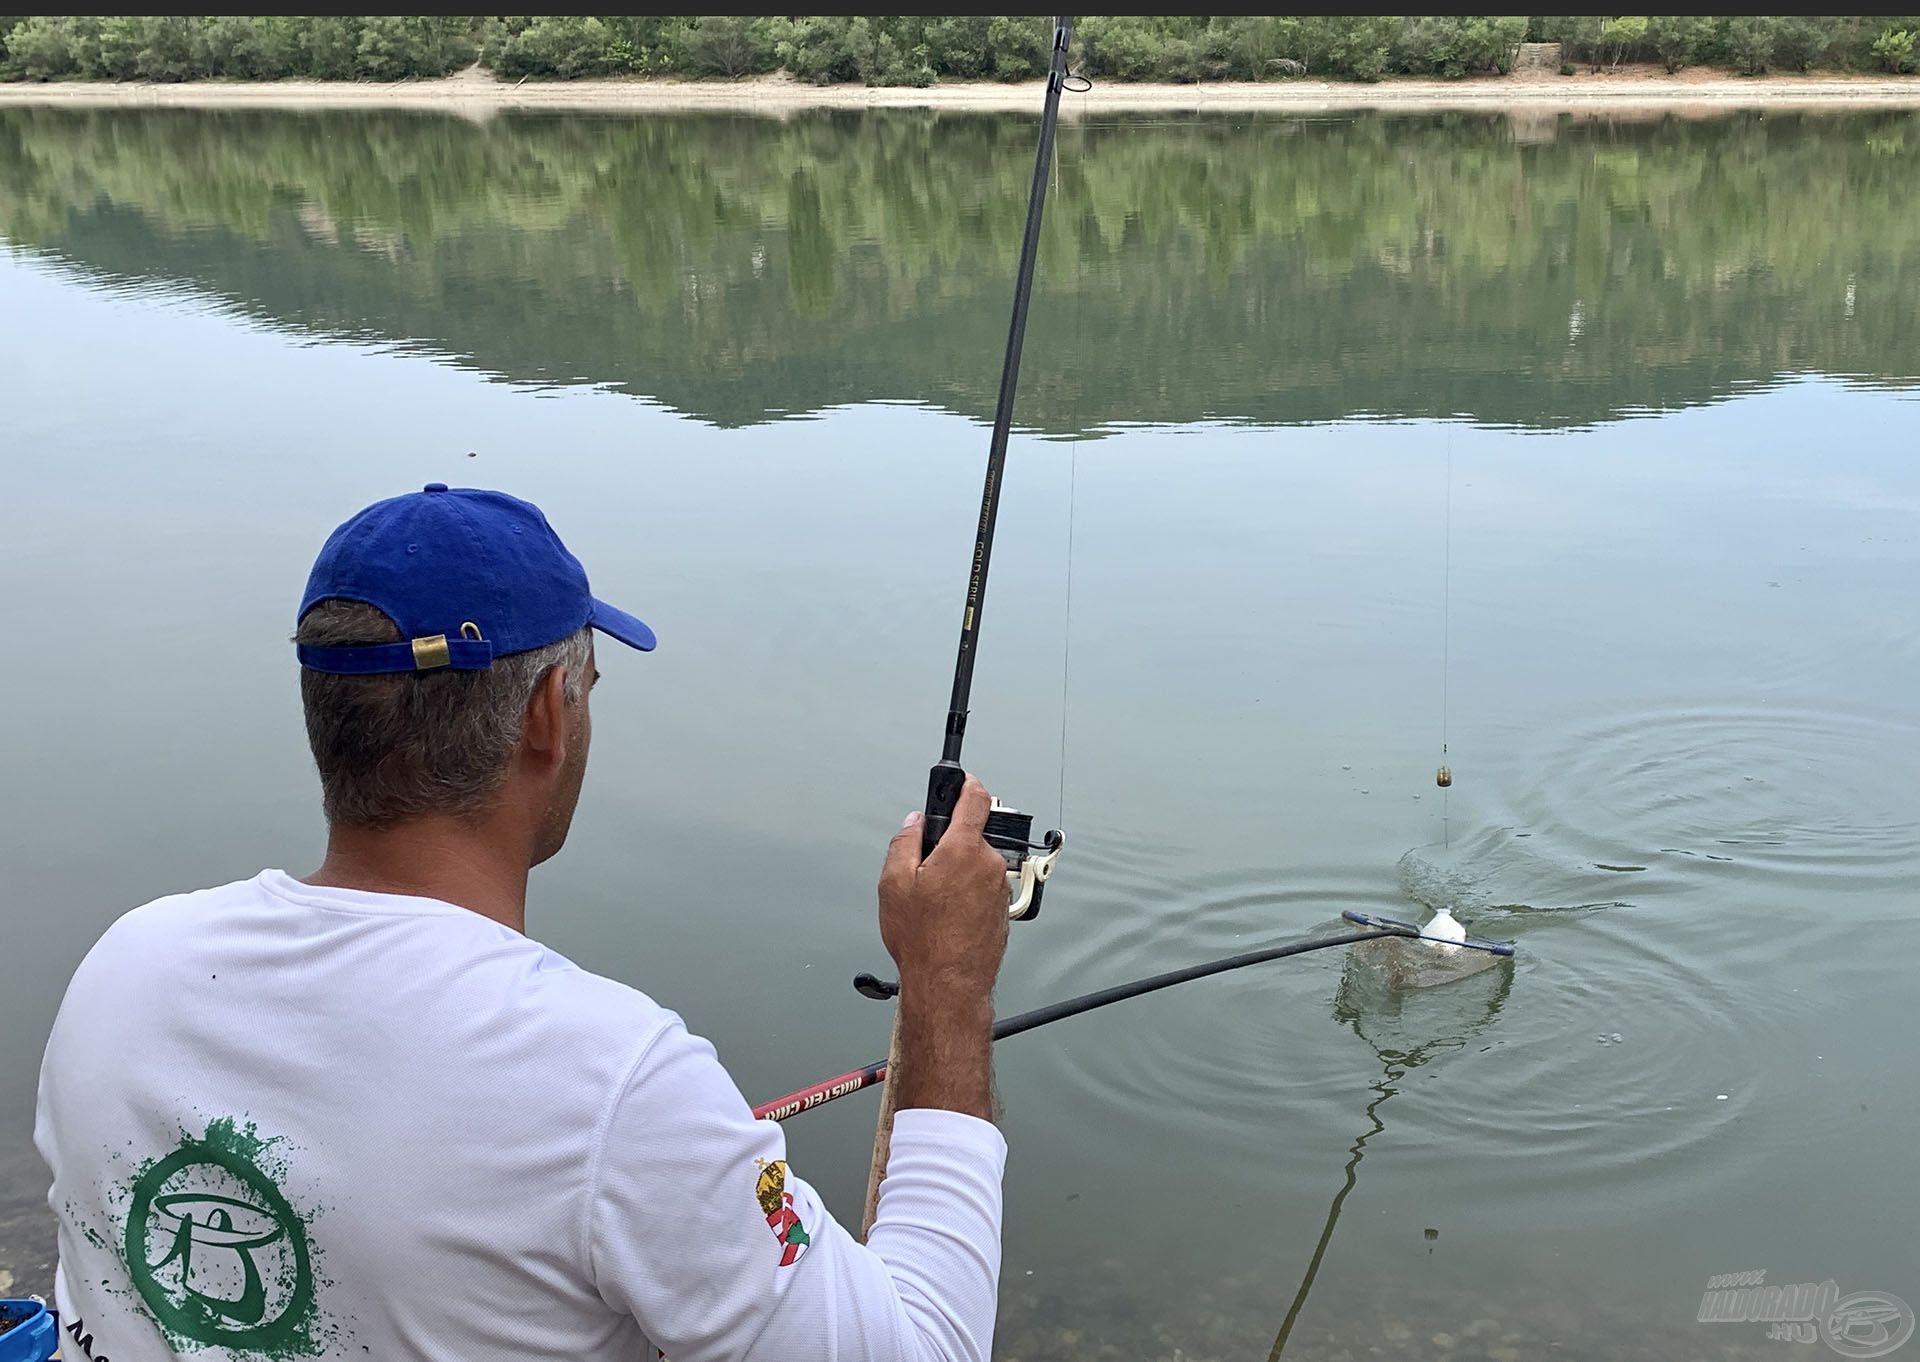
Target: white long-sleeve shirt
[290,1122]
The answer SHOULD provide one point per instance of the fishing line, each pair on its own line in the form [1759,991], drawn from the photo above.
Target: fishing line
[1066,625]
[1444,778]
[1007,830]
[1073,478]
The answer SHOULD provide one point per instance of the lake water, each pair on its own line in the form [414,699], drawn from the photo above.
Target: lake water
[1587,444]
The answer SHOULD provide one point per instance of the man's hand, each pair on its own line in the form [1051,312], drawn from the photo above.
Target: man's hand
[944,921]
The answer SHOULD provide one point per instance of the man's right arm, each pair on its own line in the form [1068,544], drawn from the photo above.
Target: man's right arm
[944,920]
[700,1230]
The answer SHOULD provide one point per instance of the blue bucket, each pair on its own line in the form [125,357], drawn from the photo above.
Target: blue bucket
[31,1333]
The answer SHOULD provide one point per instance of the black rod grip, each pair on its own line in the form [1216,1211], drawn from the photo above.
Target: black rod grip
[944,783]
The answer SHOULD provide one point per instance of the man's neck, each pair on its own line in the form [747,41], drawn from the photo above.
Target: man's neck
[473,865]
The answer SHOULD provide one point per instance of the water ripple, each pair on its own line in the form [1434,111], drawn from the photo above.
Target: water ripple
[1771,794]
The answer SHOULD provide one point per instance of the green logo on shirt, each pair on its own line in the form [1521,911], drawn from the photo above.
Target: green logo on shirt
[217,1252]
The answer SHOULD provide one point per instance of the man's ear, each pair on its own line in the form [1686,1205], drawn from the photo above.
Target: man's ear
[545,732]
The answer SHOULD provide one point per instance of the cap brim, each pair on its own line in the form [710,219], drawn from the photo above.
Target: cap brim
[619,624]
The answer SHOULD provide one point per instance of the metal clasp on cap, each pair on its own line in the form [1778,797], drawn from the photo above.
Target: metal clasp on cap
[430,652]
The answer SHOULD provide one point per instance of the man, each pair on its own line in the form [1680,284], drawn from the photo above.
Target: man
[360,1114]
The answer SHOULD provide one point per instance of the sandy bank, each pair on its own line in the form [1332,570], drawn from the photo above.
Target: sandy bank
[476,93]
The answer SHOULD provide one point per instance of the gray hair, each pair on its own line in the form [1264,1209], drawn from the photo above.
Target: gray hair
[396,746]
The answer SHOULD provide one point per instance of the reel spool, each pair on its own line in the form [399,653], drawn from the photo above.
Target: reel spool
[1029,863]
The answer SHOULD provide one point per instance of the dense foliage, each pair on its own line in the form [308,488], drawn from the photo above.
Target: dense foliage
[1749,44]
[915,49]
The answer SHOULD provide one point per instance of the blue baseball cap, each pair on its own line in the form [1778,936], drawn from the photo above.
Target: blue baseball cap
[468,575]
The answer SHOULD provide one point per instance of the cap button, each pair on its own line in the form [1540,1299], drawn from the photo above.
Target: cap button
[436,487]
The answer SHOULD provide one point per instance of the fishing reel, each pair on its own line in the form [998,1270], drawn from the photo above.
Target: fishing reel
[1029,863]
[1029,866]
[1008,831]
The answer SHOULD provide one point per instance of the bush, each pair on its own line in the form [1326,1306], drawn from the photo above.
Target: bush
[914,50]
[1121,47]
[1457,45]
[1750,41]
[1801,40]
[1894,50]
[1020,46]
[120,46]
[328,47]
[395,47]
[1621,35]
[550,45]
[45,47]
[957,45]
[882,56]
[817,49]
[236,45]
[1250,47]
[1567,68]
[725,45]
[1678,40]
[129,47]
[1359,45]
[1578,36]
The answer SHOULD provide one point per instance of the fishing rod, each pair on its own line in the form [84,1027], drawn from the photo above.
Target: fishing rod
[846,1084]
[1008,831]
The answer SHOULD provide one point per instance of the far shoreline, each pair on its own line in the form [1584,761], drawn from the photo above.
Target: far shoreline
[475,93]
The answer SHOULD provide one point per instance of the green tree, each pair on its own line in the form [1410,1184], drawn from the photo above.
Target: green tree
[1621,35]
[385,50]
[1750,41]
[1122,47]
[957,45]
[549,45]
[328,47]
[1497,40]
[234,45]
[46,47]
[1019,45]
[1357,46]
[726,45]
[122,39]
[1801,40]
[1894,50]
[1678,40]
[817,49]
[1453,46]
[1248,45]
[1578,36]
[912,49]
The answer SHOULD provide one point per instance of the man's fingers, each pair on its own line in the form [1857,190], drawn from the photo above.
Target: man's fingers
[903,852]
[970,814]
